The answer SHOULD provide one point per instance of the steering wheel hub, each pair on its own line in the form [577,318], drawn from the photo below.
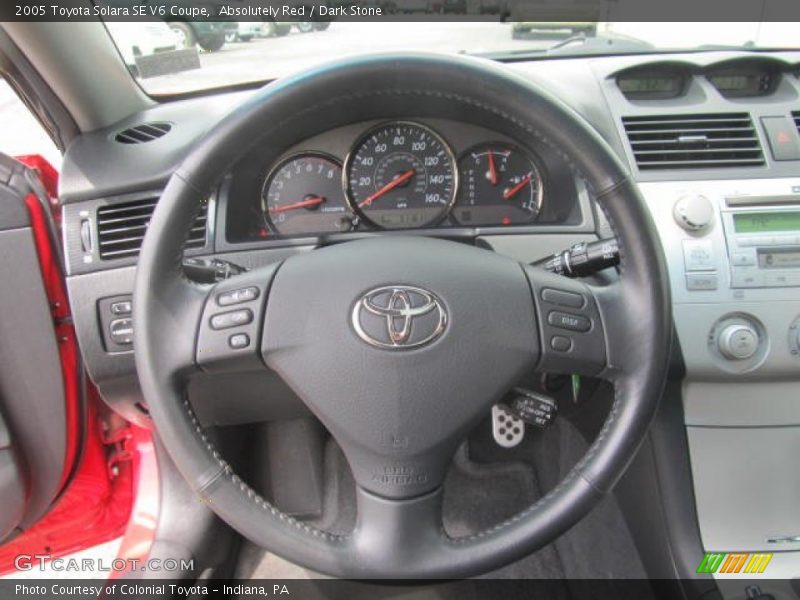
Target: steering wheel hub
[400,414]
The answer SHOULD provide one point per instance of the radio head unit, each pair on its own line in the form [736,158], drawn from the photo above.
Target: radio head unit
[763,246]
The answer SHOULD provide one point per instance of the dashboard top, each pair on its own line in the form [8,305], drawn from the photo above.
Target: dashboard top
[97,166]
[699,116]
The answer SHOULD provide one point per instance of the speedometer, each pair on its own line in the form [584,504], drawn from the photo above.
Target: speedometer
[401,175]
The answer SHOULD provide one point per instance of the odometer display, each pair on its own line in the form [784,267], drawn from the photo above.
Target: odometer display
[401,175]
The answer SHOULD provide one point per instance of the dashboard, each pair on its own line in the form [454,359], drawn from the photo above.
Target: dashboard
[408,174]
[712,140]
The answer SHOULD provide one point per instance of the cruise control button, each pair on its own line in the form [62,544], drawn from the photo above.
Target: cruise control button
[239,341]
[564,320]
[559,343]
[563,298]
[232,319]
[237,296]
[121,308]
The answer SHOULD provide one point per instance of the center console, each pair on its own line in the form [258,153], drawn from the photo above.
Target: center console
[733,252]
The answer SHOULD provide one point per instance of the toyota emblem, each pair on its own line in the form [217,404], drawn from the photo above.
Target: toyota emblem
[399,317]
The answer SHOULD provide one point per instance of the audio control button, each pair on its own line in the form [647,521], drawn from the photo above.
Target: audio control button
[743,259]
[744,278]
[701,281]
[782,279]
[698,255]
[568,321]
[693,212]
[234,318]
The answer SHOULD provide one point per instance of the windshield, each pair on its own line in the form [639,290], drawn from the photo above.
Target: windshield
[179,57]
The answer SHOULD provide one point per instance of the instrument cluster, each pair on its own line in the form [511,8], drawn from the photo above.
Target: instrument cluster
[397,175]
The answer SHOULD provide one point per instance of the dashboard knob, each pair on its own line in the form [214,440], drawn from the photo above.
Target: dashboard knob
[693,212]
[738,342]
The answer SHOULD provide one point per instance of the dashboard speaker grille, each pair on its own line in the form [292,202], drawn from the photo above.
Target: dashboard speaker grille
[121,228]
[146,132]
[698,141]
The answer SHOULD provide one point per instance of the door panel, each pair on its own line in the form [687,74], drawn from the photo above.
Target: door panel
[32,397]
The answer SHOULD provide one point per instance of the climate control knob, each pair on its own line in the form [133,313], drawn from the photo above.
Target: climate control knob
[738,341]
[693,212]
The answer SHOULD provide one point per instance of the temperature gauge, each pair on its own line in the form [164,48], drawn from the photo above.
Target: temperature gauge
[500,185]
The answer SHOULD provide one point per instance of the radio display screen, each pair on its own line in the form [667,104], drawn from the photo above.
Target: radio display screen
[758,222]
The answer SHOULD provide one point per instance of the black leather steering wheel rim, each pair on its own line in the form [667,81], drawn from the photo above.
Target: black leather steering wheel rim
[634,311]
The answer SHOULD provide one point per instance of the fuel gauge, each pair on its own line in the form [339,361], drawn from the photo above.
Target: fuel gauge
[500,185]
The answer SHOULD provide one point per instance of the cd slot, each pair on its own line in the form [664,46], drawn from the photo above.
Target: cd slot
[782,199]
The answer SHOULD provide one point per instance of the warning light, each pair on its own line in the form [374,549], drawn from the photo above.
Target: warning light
[506,220]
[783,137]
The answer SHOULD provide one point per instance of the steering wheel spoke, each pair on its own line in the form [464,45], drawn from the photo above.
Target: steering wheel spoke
[572,335]
[404,533]
[230,328]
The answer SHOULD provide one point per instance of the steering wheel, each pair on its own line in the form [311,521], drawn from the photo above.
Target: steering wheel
[412,339]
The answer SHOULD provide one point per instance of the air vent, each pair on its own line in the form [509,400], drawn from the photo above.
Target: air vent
[796,117]
[705,141]
[121,228]
[146,132]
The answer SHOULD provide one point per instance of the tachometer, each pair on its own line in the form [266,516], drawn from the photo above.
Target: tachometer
[303,195]
[401,175]
[500,185]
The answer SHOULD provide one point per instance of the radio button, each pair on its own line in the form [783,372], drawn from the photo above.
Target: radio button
[701,281]
[782,279]
[743,259]
[698,255]
[747,279]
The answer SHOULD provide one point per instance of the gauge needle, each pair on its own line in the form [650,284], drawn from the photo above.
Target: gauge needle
[302,204]
[511,192]
[492,169]
[399,180]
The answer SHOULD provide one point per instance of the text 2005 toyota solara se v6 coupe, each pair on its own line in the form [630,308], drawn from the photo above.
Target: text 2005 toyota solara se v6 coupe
[406,301]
